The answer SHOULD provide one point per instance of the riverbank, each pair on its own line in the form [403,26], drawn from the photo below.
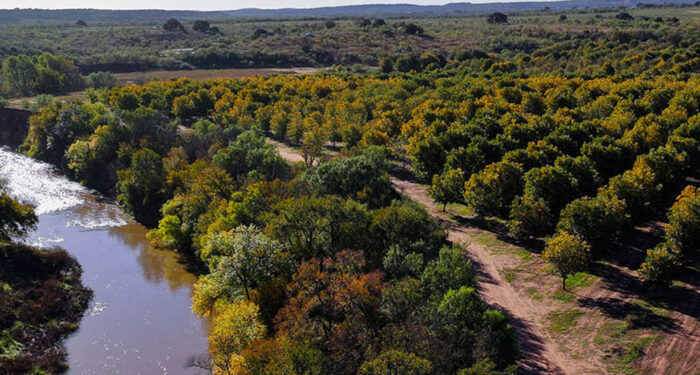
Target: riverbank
[140,319]
[42,299]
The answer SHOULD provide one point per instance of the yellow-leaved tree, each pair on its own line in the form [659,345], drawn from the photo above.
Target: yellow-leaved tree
[567,254]
[236,326]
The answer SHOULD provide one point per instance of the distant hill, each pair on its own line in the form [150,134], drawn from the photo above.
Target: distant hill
[37,16]
[388,10]
[42,16]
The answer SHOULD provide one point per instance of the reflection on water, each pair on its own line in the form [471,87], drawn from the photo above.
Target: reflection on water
[140,321]
[157,266]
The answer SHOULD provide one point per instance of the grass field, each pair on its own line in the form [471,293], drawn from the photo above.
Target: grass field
[141,77]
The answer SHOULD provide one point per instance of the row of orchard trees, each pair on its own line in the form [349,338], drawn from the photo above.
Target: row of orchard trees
[573,179]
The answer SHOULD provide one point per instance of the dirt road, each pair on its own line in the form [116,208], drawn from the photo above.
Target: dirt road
[540,355]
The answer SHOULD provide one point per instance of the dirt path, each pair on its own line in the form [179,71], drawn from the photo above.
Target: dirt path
[540,354]
[287,153]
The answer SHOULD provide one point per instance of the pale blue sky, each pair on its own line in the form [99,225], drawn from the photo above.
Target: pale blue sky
[205,4]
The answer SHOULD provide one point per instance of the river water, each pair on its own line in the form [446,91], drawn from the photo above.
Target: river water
[140,320]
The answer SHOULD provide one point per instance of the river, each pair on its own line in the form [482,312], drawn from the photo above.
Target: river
[140,320]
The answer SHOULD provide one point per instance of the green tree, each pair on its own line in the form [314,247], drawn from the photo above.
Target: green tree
[386,65]
[530,217]
[451,270]
[312,147]
[319,226]
[567,254]
[407,225]
[660,264]
[173,25]
[250,155]
[363,177]
[102,80]
[684,221]
[201,26]
[21,74]
[242,258]
[554,185]
[141,186]
[448,187]
[487,367]
[491,191]
[599,221]
[497,17]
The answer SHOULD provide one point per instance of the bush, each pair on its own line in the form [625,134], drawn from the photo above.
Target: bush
[413,29]
[600,221]
[100,80]
[660,264]
[173,25]
[491,191]
[497,17]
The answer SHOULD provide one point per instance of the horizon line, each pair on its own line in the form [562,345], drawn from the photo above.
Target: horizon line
[472,2]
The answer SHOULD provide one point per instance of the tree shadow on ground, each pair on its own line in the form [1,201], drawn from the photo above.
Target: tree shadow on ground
[403,171]
[501,231]
[685,300]
[636,315]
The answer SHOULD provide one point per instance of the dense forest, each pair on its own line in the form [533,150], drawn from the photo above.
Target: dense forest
[566,130]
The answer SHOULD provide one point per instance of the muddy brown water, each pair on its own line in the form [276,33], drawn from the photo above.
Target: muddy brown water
[140,320]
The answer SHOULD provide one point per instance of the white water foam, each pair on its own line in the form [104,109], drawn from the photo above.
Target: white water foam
[44,242]
[95,308]
[98,216]
[36,183]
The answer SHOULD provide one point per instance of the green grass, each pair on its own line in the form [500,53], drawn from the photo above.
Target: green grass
[635,349]
[656,309]
[563,296]
[495,245]
[562,321]
[612,332]
[631,352]
[509,275]
[459,209]
[580,279]
[532,292]
[9,348]
[628,346]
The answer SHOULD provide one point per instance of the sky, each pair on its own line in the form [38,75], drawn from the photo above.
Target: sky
[206,4]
